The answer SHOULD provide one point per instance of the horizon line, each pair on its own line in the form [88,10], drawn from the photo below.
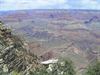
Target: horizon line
[51,9]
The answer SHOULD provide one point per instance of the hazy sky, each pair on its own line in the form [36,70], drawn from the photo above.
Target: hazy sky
[48,4]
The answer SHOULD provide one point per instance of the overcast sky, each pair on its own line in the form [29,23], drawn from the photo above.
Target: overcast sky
[48,4]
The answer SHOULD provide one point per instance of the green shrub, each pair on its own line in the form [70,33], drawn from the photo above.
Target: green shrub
[62,67]
[93,69]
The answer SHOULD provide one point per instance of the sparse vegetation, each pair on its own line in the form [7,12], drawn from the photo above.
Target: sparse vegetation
[13,56]
[93,69]
[62,67]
